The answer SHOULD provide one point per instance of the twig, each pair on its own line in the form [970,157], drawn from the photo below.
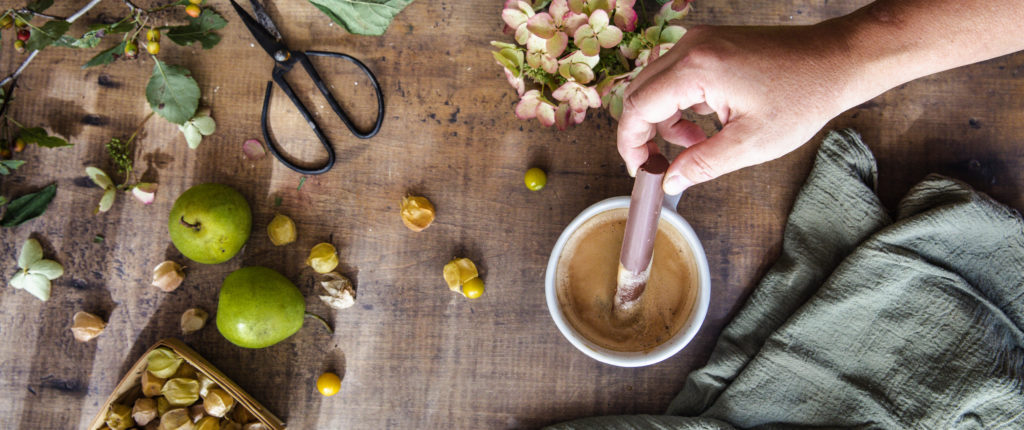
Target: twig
[41,15]
[32,56]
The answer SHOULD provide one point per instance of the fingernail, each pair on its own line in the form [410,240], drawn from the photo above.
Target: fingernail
[675,184]
[631,171]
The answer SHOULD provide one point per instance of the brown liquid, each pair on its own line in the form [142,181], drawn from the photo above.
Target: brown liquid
[586,277]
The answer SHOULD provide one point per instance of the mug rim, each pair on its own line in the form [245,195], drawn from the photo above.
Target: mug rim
[638,358]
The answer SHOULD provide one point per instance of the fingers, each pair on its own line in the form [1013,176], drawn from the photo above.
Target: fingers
[727,151]
[632,136]
[680,131]
[650,103]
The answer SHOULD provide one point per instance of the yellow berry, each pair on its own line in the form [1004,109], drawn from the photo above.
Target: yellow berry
[281,230]
[153,47]
[328,384]
[473,288]
[153,34]
[323,258]
[192,10]
[535,179]
[195,2]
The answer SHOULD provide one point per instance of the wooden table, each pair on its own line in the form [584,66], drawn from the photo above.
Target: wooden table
[412,354]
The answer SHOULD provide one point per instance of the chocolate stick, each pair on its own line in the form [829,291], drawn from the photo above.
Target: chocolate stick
[641,229]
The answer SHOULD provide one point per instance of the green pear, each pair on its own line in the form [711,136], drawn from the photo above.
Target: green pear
[259,307]
[209,223]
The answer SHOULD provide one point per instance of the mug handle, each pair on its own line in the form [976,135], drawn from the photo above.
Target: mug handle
[672,202]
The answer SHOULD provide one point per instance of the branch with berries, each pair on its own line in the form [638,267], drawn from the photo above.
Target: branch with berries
[172,93]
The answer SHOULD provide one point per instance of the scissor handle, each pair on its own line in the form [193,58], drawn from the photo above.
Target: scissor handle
[278,76]
[281,82]
[330,98]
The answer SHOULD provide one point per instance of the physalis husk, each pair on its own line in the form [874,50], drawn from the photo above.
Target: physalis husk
[417,212]
[459,272]
[181,391]
[323,258]
[163,362]
[281,230]
[340,294]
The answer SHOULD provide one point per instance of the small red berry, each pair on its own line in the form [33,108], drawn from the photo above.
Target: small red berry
[24,34]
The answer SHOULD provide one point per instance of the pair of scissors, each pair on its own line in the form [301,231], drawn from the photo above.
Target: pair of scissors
[267,35]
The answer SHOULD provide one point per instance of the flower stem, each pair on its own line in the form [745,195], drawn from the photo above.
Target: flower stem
[322,321]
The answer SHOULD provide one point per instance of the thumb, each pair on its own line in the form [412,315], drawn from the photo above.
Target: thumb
[728,150]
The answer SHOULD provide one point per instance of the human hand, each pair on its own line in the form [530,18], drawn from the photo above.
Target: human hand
[773,89]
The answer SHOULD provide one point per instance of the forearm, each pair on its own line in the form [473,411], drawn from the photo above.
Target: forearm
[890,42]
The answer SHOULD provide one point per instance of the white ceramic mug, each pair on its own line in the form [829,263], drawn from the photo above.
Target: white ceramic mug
[669,347]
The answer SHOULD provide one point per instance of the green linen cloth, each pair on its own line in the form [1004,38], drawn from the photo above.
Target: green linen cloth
[870,322]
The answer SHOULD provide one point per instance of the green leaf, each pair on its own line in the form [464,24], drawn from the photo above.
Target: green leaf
[39,137]
[90,39]
[46,35]
[105,57]
[172,93]
[39,5]
[28,206]
[366,17]
[122,26]
[7,165]
[199,29]
[3,200]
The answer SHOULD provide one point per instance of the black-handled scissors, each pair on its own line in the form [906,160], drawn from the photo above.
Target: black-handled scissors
[266,34]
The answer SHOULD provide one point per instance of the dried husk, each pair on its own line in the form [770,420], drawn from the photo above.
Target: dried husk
[144,411]
[168,275]
[119,417]
[176,419]
[181,391]
[218,403]
[151,384]
[86,326]
[193,320]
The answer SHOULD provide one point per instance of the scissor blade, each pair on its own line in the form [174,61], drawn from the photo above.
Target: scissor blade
[264,19]
[261,34]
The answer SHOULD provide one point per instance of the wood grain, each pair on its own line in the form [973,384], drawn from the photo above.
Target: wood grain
[412,354]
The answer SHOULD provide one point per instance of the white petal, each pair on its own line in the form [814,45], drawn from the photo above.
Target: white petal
[107,201]
[31,252]
[18,280]
[48,268]
[145,192]
[192,135]
[99,177]
[205,125]
[38,285]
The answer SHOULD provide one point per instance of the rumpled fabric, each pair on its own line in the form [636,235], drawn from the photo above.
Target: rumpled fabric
[869,320]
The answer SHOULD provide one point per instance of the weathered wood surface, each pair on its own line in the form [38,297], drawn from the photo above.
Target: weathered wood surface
[412,354]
